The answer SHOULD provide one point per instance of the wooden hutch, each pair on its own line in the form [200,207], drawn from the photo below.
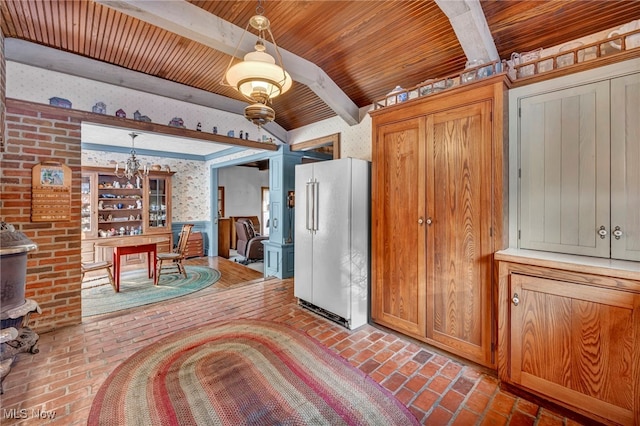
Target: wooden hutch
[114,207]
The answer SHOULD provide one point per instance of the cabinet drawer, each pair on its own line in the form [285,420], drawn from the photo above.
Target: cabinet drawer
[195,246]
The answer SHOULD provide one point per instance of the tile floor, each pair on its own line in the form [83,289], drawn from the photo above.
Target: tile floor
[62,379]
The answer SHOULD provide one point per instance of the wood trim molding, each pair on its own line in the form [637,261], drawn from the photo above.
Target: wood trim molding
[143,126]
[329,140]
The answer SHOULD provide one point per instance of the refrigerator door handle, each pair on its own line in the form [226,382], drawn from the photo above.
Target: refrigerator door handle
[308,189]
[316,203]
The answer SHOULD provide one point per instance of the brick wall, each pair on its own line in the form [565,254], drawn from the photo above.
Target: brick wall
[3,88]
[36,133]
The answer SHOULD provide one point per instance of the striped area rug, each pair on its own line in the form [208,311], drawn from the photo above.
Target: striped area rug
[242,372]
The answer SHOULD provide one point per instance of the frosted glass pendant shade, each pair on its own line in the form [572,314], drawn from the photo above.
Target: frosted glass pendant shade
[258,77]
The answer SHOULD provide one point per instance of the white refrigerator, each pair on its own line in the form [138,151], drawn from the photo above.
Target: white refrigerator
[331,264]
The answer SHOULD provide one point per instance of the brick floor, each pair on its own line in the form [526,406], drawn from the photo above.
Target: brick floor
[73,362]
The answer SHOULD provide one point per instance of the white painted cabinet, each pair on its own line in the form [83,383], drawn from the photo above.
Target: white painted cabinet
[579,169]
[625,167]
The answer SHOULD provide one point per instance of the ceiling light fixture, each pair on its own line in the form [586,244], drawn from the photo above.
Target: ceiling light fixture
[258,78]
[132,166]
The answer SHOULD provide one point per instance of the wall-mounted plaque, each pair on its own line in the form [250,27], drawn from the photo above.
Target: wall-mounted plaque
[50,192]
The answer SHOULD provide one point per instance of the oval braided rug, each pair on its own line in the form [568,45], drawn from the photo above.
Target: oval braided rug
[137,289]
[242,372]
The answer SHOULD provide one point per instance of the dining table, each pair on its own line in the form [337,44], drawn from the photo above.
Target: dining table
[132,245]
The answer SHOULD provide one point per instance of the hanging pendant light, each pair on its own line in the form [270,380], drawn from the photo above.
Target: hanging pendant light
[258,77]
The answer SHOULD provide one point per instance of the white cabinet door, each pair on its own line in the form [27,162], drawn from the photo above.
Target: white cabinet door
[564,166]
[625,167]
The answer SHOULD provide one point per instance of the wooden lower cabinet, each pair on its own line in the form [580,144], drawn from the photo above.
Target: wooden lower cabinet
[195,246]
[573,338]
[438,167]
[224,237]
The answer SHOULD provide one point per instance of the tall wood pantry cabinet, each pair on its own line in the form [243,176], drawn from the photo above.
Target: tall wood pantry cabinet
[438,200]
[115,207]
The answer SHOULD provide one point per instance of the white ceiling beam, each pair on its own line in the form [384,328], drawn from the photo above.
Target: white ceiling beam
[40,56]
[471,28]
[194,23]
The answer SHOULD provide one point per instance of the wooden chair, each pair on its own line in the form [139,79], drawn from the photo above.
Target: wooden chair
[171,263]
[97,266]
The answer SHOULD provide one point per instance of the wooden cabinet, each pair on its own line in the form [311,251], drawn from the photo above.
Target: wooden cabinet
[399,293]
[571,336]
[578,177]
[157,203]
[437,216]
[224,237]
[114,207]
[195,246]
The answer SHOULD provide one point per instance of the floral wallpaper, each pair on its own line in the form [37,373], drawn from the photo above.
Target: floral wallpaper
[190,185]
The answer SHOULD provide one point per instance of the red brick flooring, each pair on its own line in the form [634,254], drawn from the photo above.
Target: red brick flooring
[64,376]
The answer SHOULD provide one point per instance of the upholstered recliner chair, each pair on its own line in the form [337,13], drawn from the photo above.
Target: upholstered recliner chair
[249,241]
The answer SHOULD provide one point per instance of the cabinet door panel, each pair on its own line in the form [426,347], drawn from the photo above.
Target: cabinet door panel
[564,185]
[398,275]
[158,204]
[625,170]
[459,248]
[576,343]
[89,216]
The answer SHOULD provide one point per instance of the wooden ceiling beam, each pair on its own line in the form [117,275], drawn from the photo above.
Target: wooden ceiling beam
[471,28]
[192,22]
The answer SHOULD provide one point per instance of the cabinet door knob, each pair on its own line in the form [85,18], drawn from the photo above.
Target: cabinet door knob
[429,221]
[617,232]
[420,221]
[516,299]
[602,231]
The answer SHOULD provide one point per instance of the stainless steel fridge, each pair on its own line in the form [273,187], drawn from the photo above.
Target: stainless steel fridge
[331,265]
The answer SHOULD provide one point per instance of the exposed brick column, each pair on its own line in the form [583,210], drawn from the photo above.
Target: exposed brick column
[36,133]
[3,89]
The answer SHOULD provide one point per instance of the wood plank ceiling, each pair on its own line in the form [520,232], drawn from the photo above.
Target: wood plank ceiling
[366,47]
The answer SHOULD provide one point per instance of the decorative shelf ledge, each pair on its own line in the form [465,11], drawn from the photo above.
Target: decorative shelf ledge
[533,68]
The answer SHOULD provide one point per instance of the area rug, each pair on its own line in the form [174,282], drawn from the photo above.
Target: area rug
[242,372]
[137,289]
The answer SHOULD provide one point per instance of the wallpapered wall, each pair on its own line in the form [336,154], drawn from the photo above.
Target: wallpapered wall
[355,141]
[191,182]
[38,85]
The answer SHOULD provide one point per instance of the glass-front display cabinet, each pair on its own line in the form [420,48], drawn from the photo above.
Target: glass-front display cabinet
[159,195]
[117,207]
[87,218]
